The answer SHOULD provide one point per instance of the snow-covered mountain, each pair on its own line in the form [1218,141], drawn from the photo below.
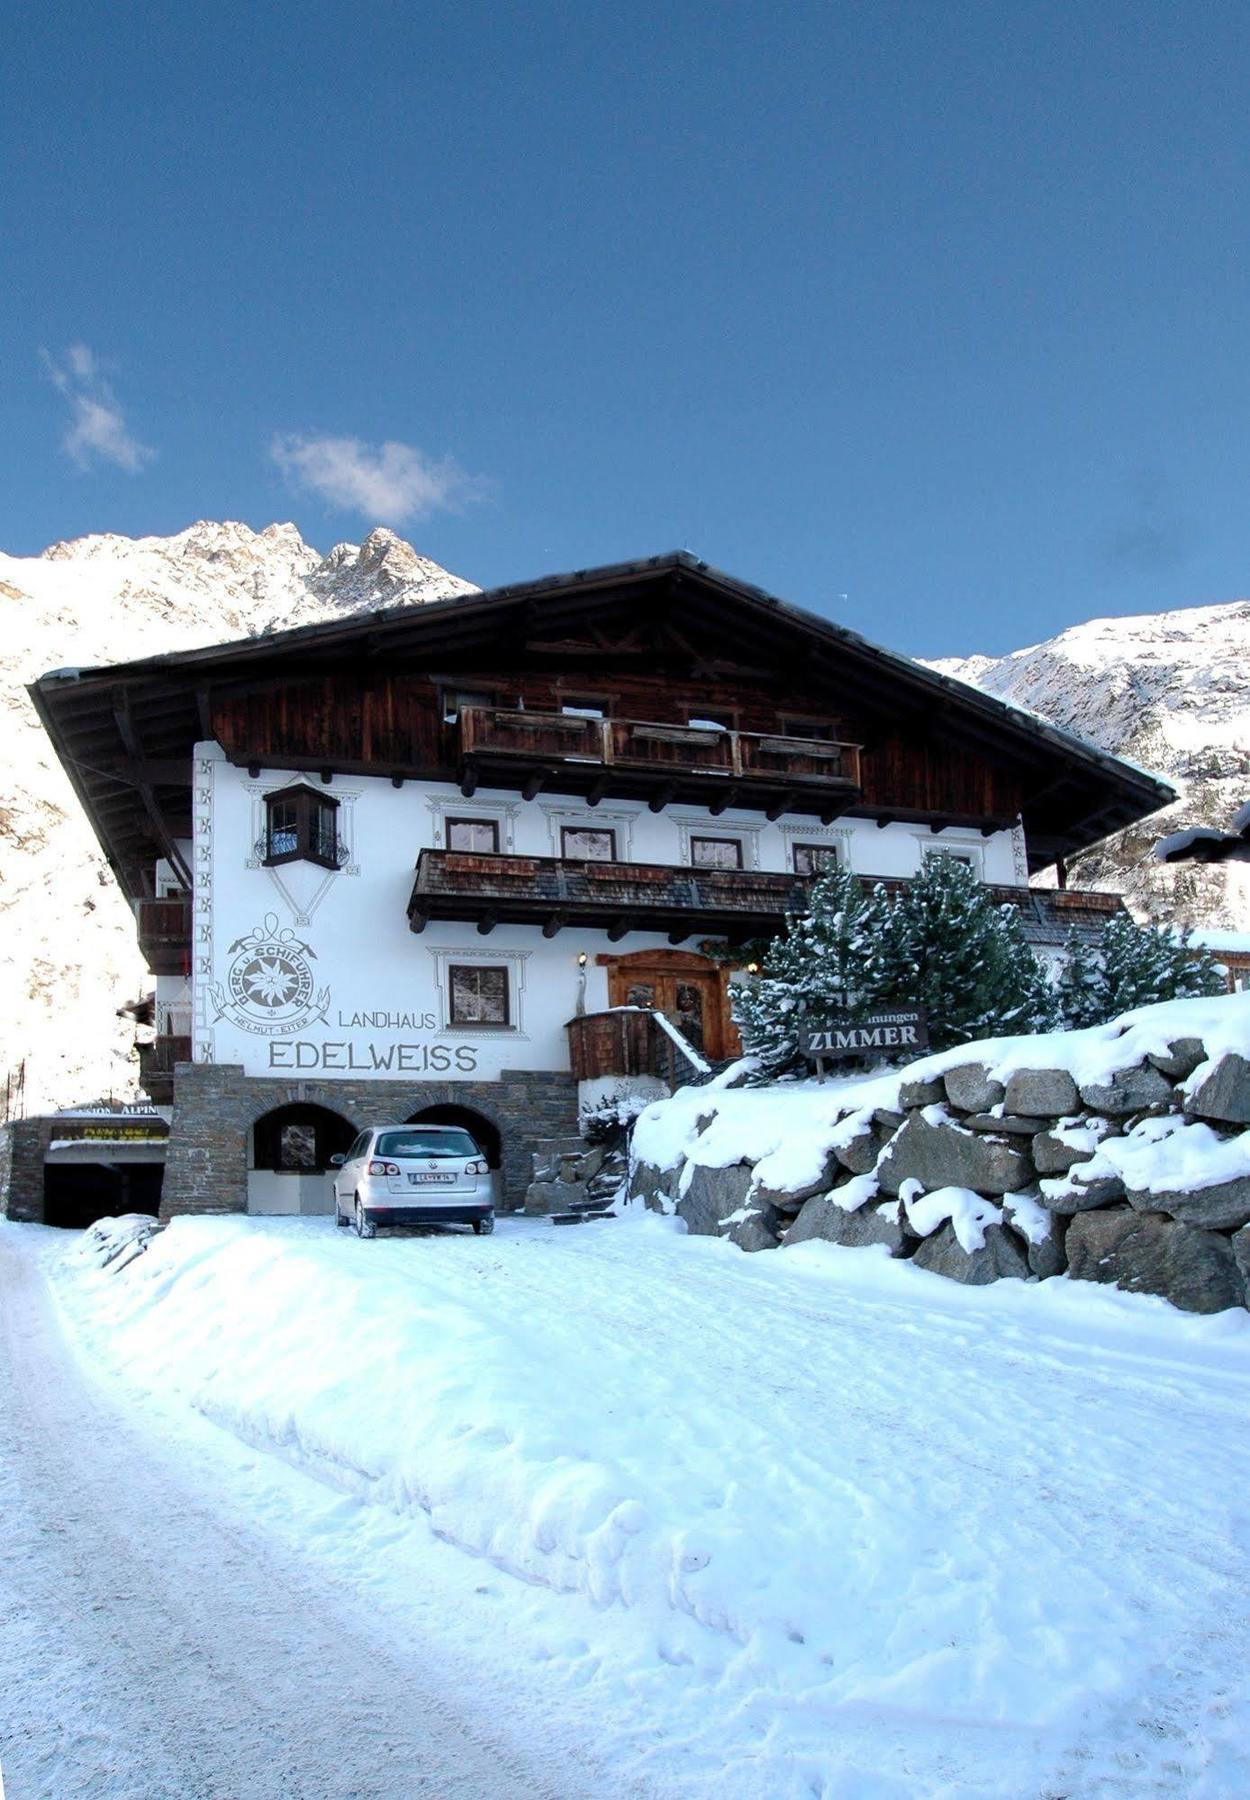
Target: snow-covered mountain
[68,956]
[1170,691]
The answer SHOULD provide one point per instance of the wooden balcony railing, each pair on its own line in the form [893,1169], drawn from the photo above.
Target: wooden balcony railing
[613,896]
[619,897]
[165,934]
[156,1066]
[650,759]
[629,1040]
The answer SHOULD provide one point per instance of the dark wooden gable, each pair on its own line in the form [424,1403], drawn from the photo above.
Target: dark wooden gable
[656,638]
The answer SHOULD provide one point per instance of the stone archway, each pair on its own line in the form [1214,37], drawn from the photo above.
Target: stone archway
[289,1165]
[484,1132]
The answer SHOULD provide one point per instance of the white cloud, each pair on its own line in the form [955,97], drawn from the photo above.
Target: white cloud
[389,483]
[97,428]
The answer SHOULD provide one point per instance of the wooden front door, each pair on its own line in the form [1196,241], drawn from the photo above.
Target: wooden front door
[689,989]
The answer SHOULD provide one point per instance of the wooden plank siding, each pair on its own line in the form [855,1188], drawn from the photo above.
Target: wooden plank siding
[378,723]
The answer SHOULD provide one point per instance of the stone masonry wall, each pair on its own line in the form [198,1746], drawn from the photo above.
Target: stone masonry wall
[216,1105]
[23,1146]
[1141,1181]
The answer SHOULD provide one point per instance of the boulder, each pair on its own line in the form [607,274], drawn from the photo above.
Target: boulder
[886,1119]
[1048,1092]
[581,1165]
[1041,1232]
[1240,1241]
[1145,1253]
[1053,1155]
[917,1093]
[1224,1094]
[859,1154]
[652,1185]
[759,1229]
[823,1218]
[1128,1091]
[712,1196]
[971,1089]
[1010,1124]
[1088,1185]
[553,1196]
[1224,1206]
[791,1199]
[1183,1057]
[940,1156]
[1001,1255]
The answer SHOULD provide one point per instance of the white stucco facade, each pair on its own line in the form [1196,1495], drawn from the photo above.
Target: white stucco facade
[364,998]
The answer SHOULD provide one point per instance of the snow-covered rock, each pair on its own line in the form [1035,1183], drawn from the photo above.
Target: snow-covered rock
[990,1194]
[1169,691]
[68,956]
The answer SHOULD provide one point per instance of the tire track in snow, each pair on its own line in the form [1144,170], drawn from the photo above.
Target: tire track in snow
[148,1648]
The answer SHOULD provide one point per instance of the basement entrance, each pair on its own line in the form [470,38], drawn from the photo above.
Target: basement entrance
[76,1194]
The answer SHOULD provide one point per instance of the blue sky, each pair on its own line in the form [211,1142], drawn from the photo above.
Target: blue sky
[930,316]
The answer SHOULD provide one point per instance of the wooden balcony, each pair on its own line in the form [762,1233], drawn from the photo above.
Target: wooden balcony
[156,1066]
[614,897]
[641,759]
[165,934]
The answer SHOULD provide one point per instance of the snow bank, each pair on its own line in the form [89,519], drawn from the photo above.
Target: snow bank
[788,1129]
[823,1524]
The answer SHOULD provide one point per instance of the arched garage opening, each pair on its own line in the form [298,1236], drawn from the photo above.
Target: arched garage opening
[290,1162]
[76,1194]
[484,1134]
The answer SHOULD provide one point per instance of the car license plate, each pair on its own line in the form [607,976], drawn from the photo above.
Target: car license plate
[419,1180]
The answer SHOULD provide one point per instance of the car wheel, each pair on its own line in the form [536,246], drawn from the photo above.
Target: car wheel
[365,1226]
[483,1227]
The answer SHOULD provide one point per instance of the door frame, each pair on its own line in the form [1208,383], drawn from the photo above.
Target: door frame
[720,1033]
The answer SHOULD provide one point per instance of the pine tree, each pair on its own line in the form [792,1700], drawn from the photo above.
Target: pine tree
[829,961]
[971,966]
[942,944]
[1141,964]
[1080,992]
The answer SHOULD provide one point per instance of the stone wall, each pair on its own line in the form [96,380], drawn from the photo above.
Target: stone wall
[216,1105]
[978,1179]
[23,1146]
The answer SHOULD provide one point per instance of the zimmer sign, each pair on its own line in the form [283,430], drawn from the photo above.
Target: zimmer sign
[881,1031]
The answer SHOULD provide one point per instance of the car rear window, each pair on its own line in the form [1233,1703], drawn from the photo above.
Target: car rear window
[415,1142]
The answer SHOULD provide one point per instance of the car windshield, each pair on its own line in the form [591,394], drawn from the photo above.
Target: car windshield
[416,1142]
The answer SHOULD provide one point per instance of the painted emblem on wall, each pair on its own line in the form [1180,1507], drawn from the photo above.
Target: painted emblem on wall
[269,986]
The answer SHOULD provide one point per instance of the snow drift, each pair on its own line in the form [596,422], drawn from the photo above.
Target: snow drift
[818,1523]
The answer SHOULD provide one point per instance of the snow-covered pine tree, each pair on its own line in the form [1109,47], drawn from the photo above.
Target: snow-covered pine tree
[828,960]
[942,943]
[963,958]
[1144,963]
[1080,988]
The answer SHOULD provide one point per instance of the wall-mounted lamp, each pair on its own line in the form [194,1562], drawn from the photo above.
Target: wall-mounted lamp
[753,968]
[582,959]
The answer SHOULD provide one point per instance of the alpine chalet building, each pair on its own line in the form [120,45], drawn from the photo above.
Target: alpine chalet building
[460,861]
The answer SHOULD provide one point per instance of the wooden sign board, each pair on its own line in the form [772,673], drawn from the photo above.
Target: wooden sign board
[898,1030]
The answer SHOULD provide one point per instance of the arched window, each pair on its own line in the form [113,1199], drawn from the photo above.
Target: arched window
[300,1139]
[301,825]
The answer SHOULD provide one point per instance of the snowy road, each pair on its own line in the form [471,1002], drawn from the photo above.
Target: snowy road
[150,1646]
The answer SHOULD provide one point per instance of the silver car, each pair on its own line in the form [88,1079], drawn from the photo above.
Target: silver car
[413,1175]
